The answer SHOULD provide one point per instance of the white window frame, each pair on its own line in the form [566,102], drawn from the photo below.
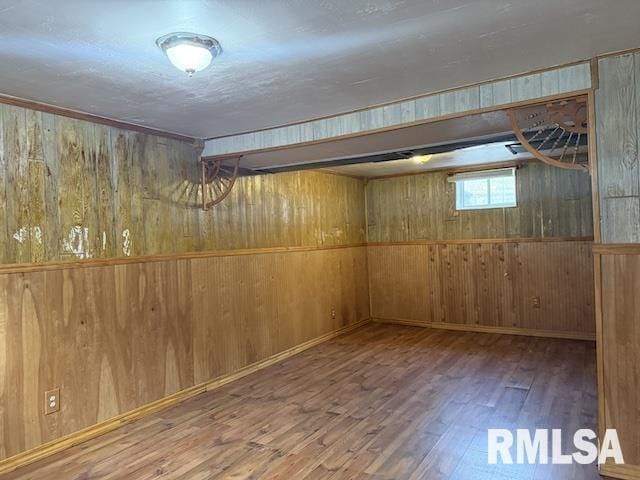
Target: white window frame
[487,175]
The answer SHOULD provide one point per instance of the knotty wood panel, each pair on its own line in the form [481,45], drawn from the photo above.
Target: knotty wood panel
[72,189]
[551,203]
[116,337]
[486,284]
[620,277]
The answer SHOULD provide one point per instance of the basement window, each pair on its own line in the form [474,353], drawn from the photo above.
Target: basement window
[485,189]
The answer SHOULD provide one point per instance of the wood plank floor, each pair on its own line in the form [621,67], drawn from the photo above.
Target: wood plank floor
[383,402]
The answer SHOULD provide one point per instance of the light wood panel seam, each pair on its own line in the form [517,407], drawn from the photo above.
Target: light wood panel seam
[68,441]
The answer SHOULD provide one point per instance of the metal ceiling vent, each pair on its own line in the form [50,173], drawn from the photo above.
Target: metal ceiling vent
[189,52]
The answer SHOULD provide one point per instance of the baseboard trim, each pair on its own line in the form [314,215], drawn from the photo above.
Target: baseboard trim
[624,471]
[488,329]
[249,369]
[68,441]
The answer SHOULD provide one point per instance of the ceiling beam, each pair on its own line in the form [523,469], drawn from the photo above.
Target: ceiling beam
[483,97]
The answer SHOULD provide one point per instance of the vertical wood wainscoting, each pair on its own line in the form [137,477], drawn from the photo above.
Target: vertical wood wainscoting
[115,288]
[619,322]
[618,257]
[529,287]
[116,337]
[527,269]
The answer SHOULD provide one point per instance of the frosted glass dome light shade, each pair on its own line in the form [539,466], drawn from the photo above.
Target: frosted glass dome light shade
[189,52]
[189,58]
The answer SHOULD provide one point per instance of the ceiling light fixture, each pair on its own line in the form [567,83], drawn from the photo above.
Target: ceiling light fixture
[189,52]
[421,158]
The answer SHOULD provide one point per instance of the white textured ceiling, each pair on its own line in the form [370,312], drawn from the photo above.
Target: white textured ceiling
[287,60]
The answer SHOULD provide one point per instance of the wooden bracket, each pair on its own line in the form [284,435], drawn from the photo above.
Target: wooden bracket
[218,178]
[555,131]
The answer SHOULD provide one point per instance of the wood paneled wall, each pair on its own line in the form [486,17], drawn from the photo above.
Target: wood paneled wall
[551,203]
[306,208]
[618,135]
[73,189]
[475,285]
[620,275]
[116,337]
[618,266]
[437,266]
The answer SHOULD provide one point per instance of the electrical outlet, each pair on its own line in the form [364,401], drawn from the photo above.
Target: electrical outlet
[333,313]
[536,302]
[51,401]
